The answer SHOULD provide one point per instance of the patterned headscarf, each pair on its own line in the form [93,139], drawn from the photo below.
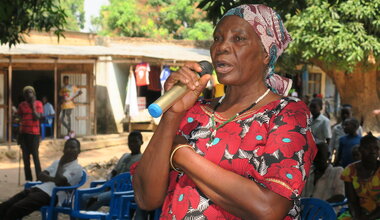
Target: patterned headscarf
[274,37]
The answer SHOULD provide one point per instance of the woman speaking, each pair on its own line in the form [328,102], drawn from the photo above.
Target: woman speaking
[245,155]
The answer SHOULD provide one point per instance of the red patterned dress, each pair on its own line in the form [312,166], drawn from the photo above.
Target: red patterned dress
[272,146]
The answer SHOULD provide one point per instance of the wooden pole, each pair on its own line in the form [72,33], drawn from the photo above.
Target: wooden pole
[10,102]
[56,98]
[94,120]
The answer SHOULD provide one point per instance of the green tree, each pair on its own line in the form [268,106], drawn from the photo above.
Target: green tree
[181,16]
[168,19]
[201,31]
[216,9]
[18,17]
[343,39]
[121,18]
[75,14]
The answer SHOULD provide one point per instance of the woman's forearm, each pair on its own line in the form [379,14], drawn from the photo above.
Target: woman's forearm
[353,200]
[236,194]
[150,181]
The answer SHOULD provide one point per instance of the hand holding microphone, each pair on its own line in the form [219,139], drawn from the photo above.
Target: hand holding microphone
[178,91]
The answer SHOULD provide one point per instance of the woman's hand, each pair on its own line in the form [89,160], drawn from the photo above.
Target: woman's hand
[186,76]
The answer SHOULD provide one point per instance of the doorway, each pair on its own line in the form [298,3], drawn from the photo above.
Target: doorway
[42,81]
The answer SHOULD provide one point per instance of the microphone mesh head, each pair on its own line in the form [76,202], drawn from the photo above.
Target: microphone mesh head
[206,67]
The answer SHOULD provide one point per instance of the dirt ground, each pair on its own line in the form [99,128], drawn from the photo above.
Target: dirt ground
[92,160]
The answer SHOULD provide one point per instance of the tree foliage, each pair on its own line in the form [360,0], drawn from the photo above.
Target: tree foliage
[216,9]
[18,17]
[74,10]
[169,19]
[341,33]
[121,18]
[342,37]
[338,32]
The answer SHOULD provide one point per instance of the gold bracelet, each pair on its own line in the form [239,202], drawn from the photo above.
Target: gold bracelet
[173,152]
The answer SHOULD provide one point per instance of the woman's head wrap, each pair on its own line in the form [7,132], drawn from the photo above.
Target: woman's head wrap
[274,37]
[28,87]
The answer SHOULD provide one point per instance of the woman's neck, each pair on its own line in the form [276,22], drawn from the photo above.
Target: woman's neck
[370,165]
[237,100]
[244,94]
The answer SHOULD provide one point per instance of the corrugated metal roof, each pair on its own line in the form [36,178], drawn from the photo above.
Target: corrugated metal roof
[159,51]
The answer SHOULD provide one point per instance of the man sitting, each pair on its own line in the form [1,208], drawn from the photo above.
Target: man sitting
[95,201]
[63,172]
[324,180]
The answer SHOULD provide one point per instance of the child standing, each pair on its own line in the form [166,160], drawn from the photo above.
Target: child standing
[348,142]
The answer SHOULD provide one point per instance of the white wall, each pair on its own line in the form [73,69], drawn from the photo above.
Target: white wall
[107,76]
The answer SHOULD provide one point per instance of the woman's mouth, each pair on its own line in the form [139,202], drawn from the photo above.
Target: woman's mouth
[222,67]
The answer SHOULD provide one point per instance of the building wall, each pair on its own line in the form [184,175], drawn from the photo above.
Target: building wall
[109,105]
[326,87]
[121,74]
[41,74]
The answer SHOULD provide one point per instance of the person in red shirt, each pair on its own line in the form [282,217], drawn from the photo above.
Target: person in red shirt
[245,155]
[30,112]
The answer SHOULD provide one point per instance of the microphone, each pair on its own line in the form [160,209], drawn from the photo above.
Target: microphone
[170,97]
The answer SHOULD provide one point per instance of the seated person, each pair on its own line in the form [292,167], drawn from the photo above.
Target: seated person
[15,123]
[48,111]
[63,172]
[48,114]
[95,201]
[362,183]
[347,142]
[324,181]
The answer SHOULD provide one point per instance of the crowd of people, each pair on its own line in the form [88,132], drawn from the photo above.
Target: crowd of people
[276,148]
[31,114]
[346,167]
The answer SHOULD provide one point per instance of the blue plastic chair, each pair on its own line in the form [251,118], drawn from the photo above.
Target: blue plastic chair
[51,212]
[119,185]
[96,183]
[157,214]
[128,203]
[313,208]
[343,206]
[122,203]
[45,125]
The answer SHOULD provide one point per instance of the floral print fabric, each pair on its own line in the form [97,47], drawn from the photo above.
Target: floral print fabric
[272,146]
[368,190]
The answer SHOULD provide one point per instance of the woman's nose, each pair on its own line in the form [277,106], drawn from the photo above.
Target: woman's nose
[223,47]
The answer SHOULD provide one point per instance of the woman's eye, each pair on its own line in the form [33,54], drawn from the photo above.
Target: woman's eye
[239,38]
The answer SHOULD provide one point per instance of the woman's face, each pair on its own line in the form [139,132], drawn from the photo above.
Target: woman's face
[370,152]
[237,53]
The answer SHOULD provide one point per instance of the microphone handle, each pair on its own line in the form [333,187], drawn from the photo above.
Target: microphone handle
[167,100]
